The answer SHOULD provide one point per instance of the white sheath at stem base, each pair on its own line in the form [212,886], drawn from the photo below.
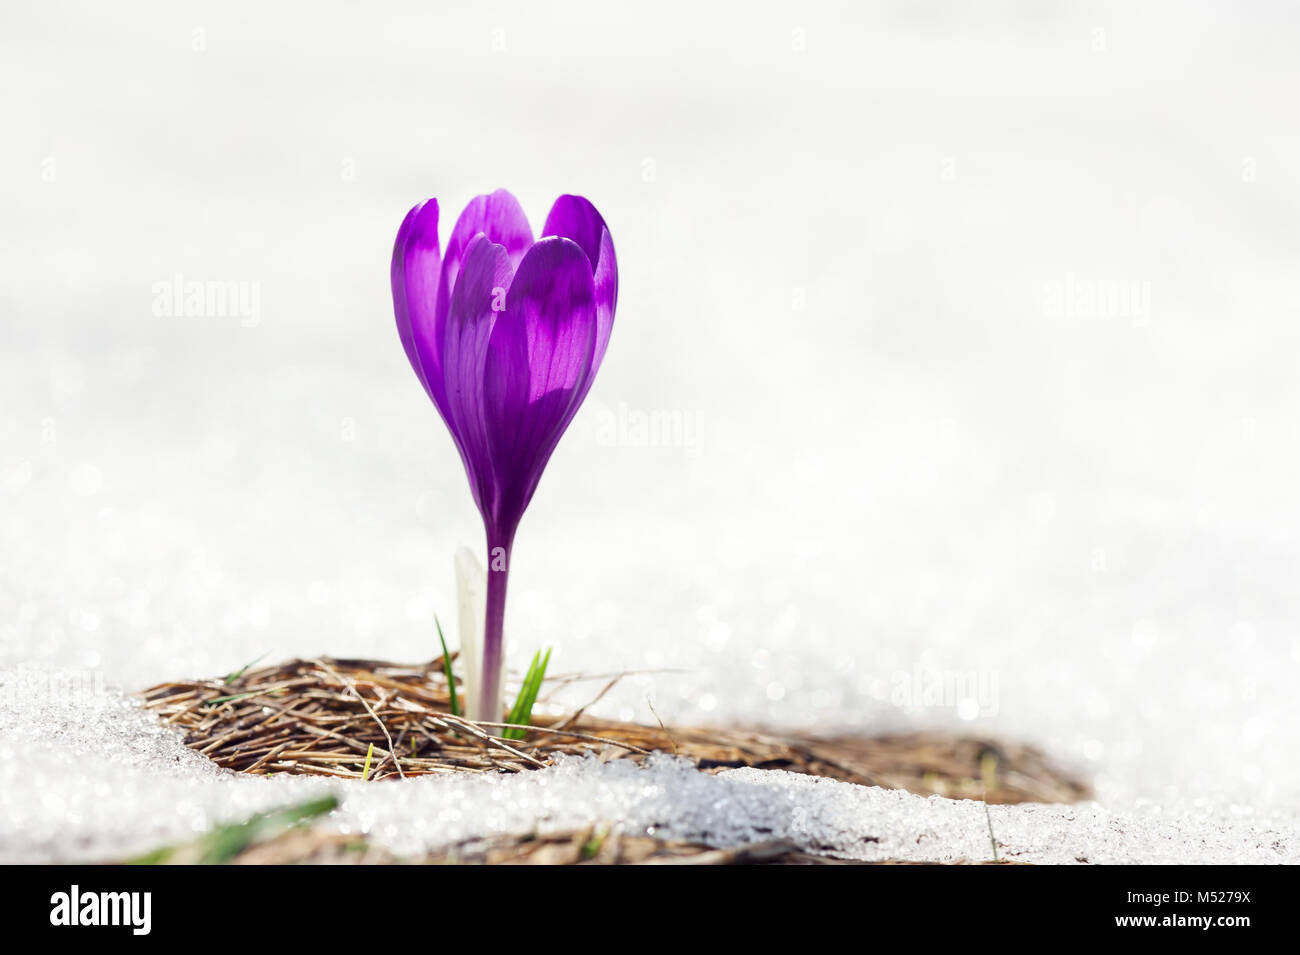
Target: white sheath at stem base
[471,597]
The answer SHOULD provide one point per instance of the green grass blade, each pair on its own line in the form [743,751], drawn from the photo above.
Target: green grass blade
[232,677]
[446,669]
[522,713]
[517,709]
[224,843]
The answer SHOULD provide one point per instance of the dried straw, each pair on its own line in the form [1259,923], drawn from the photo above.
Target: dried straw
[321,716]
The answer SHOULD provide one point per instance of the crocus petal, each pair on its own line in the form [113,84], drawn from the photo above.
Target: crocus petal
[497,216]
[538,366]
[477,300]
[415,270]
[606,279]
[576,218]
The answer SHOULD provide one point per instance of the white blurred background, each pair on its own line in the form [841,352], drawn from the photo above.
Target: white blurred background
[976,334]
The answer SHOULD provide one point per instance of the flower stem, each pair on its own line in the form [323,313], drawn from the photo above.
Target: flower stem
[489,705]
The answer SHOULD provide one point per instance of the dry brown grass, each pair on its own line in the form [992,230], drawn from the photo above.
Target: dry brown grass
[322,716]
[593,845]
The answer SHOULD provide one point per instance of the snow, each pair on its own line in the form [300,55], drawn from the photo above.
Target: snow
[973,339]
[106,782]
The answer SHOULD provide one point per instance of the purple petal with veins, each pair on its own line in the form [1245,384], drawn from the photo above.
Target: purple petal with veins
[506,335]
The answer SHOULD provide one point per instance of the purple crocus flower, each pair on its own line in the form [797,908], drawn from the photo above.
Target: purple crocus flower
[506,334]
